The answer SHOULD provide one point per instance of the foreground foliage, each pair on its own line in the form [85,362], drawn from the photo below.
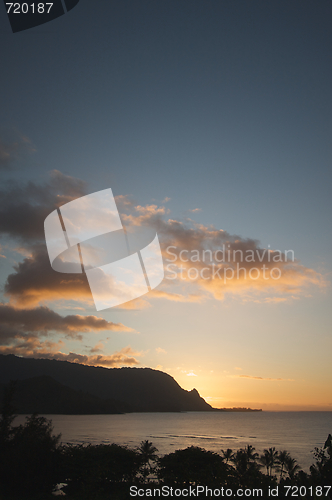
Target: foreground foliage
[29,454]
[33,463]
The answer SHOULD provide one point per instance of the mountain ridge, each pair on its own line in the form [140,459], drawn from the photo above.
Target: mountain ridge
[136,389]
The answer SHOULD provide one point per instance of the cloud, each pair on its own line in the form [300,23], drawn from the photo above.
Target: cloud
[267,300]
[191,374]
[193,210]
[123,202]
[23,332]
[148,215]
[263,378]
[31,347]
[186,248]
[176,297]
[216,263]
[24,207]
[13,147]
[41,321]
[97,348]
[124,357]
[35,282]
[161,350]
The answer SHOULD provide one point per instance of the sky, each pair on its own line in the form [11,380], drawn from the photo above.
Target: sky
[211,123]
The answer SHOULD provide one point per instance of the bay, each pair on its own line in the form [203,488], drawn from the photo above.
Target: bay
[297,432]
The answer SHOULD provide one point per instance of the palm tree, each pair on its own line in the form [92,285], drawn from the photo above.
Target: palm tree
[265,461]
[240,461]
[283,456]
[291,467]
[227,455]
[269,459]
[251,454]
[246,467]
[148,454]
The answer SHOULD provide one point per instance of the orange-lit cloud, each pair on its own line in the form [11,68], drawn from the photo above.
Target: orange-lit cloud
[47,350]
[253,273]
[144,215]
[35,282]
[176,297]
[217,263]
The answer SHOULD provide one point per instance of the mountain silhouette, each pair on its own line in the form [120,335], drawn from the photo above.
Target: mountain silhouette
[44,395]
[94,389]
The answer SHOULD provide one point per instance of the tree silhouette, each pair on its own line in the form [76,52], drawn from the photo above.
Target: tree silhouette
[321,471]
[291,467]
[241,462]
[265,462]
[247,471]
[193,465]
[251,454]
[92,469]
[227,455]
[148,454]
[7,413]
[30,466]
[283,456]
[269,459]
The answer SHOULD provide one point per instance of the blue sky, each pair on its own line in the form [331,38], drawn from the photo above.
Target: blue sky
[219,106]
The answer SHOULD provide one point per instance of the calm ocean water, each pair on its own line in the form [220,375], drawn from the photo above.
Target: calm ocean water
[296,432]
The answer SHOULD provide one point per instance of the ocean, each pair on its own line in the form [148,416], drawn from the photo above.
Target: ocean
[297,432]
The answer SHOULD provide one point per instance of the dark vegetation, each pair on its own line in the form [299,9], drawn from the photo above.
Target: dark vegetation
[33,463]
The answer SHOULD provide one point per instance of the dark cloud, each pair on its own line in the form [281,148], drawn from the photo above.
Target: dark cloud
[23,208]
[21,323]
[26,332]
[34,282]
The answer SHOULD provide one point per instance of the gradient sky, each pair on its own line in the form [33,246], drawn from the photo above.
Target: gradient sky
[201,116]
